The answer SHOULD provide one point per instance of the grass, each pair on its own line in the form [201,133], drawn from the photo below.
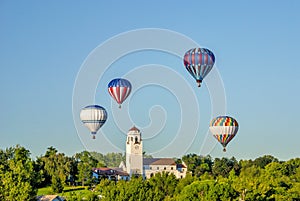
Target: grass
[68,192]
[72,188]
[44,191]
[47,190]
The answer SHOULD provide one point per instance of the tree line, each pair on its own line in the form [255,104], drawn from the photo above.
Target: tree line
[264,178]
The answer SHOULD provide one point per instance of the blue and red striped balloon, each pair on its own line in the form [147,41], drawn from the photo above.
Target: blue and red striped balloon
[119,89]
[199,62]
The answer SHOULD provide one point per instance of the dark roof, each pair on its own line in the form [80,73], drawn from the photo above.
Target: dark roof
[159,161]
[117,169]
[134,129]
[180,166]
[121,173]
[110,171]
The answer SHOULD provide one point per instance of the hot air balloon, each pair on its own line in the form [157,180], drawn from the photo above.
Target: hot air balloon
[93,117]
[199,62]
[224,128]
[119,89]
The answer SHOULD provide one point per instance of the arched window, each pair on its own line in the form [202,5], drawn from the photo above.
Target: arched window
[131,139]
[136,139]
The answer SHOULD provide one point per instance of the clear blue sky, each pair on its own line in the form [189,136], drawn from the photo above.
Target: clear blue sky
[44,44]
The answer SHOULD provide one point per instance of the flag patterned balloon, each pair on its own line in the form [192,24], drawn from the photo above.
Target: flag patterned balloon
[119,89]
[199,62]
[93,117]
[224,128]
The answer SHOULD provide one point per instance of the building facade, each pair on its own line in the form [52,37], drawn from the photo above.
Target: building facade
[147,167]
[156,165]
[114,174]
[134,152]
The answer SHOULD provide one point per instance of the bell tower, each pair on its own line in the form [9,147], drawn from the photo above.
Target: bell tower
[134,152]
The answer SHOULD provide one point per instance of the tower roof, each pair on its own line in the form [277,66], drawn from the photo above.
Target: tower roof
[134,129]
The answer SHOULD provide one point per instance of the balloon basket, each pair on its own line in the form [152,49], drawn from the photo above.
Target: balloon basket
[199,83]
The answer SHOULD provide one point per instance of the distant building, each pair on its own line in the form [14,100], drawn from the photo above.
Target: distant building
[134,152]
[136,165]
[147,167]
[114,174]
[155,165]
[50,198]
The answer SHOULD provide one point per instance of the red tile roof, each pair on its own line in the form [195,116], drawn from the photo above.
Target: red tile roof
[134,129]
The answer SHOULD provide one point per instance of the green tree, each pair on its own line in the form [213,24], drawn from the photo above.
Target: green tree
[280,185]
[56,184]
[208,190]
[184,182]
[108,160]
[17,175]
[73,171]
[264,160]
[198,165]
[55,164]
[108,191]
[247,183]
[86,162]
[198,190]
[145,155]
[43,179]
[163,184]
[223,166]
[223,191]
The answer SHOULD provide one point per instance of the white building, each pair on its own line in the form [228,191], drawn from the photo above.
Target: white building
[155,165]
[147,167]
[134,152]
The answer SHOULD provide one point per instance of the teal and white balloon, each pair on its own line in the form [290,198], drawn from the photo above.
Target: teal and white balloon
[93,117]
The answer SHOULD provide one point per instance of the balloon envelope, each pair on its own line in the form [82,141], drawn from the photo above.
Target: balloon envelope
[224,128]
[119,89]
[93,117]
[199,62]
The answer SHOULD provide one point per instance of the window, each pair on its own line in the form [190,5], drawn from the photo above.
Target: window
[131,139]
[136,139]
[165,168]
[157,168]
[171,168]
[150,168]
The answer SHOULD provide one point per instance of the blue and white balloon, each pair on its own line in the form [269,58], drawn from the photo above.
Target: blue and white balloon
[93,117]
